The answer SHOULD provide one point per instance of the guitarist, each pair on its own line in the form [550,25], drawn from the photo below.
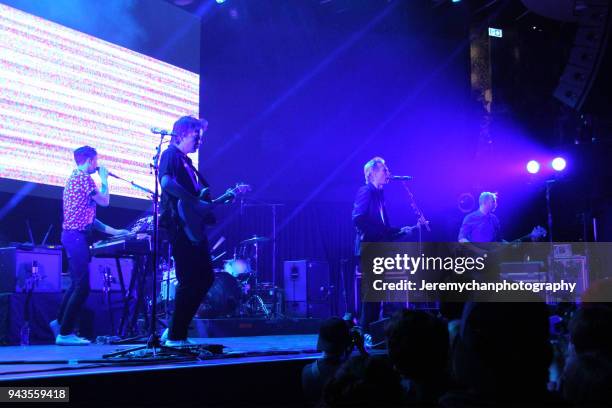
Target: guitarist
[482,226]
[180,180]
[480,233]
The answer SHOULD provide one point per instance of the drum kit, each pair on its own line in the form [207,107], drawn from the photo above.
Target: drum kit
[236,290]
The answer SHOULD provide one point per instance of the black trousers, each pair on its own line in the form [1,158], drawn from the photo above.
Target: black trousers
[76,245]
[370,311]
[195,276]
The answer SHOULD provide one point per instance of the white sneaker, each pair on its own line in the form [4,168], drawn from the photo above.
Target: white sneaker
[55,327]
[179,343]
[164,336]
[71,340]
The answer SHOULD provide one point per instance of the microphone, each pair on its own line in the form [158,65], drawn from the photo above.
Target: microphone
[109,173]
[401,177]
[163,132]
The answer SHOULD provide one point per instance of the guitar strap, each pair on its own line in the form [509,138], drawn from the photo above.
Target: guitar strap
[195,175]
[201,178]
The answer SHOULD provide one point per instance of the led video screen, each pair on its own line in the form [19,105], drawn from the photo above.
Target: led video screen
[61,89]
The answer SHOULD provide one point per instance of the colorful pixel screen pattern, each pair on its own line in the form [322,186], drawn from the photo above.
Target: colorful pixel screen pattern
[61,89]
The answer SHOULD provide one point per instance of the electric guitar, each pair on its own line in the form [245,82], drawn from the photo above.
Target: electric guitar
[472,248]
[194,215]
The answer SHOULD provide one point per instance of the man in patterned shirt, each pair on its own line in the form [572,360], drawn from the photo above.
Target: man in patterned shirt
[81,195]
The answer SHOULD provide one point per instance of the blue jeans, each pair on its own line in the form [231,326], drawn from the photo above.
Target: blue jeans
[76,245]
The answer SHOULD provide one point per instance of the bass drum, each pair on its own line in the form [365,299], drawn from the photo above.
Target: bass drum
[223,298]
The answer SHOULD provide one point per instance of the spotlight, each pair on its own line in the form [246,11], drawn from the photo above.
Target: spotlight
[533,166]
[558,164]
[220,1]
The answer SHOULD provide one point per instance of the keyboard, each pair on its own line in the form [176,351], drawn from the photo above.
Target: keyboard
[123,245]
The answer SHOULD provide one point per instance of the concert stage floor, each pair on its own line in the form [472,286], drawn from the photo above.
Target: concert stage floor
[259,370]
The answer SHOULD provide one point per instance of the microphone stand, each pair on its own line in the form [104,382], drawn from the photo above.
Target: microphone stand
[154,343]
[152,194]
[137,186]
[421,220]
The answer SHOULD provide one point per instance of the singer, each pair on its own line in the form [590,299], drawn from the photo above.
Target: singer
[80,198]
[372,224]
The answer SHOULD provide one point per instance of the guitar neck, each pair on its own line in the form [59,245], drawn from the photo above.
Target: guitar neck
[522,239]
[222,199]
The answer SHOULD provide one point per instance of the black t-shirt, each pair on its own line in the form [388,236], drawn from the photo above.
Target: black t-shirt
[178,166]
[479,227]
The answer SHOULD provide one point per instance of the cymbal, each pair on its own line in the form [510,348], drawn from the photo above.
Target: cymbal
[255,239]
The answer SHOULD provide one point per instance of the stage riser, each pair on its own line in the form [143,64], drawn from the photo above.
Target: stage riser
[276,383]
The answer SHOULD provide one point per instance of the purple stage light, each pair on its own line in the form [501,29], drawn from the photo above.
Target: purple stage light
[559,163]
[533,166]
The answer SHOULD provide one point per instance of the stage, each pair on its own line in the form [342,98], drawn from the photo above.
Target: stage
[252,370]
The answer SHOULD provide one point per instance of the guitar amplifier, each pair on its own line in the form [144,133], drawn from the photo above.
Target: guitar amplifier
[571,269]
[17,266]
[307,291]
[523,271]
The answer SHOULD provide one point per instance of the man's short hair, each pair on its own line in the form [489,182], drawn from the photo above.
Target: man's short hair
[334,336]
[83,153]
[185,125]
[486,195]
[417,344]
[590,329]
[370,166]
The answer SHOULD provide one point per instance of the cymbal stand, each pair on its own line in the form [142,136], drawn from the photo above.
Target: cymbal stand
[255,296]
[274,209]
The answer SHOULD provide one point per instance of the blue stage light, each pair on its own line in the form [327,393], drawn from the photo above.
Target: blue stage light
[533,166]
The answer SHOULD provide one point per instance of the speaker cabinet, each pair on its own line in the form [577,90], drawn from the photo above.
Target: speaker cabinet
[587,56]
[40,267]
[307,290]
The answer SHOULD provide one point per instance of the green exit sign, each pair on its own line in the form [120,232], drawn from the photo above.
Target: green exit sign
[495,32]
